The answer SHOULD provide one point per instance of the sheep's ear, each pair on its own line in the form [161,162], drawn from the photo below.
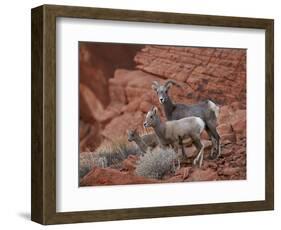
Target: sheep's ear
[154,110]
[155,85]
[168,85]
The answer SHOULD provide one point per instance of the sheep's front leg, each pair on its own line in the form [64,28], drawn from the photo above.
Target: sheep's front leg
[201,156]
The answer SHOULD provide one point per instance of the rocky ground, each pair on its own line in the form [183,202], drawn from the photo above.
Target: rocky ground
[205,73]
[230,166]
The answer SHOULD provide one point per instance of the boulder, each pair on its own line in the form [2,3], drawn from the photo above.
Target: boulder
[109,176]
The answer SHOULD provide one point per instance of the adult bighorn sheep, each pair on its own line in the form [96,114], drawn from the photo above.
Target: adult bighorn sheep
[174,132]
[207,110]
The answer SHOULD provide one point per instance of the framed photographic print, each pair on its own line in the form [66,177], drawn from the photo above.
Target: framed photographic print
[141,114]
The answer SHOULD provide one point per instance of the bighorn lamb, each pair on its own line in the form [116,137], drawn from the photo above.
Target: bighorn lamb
[174,132]
[145,141]
[207,110]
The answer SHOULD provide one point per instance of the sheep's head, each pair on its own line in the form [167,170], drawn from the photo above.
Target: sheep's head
[151,118]
[132,134]
[162,90]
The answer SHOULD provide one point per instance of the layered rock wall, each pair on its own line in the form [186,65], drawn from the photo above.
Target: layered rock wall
[118,96]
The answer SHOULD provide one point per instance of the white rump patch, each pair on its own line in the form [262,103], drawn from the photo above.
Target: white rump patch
[214,107]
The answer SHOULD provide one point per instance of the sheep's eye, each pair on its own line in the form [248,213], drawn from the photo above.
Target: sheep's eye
[151,117]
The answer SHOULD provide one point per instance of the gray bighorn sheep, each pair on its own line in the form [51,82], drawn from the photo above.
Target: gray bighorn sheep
[174,132]
[145,141]
[207,110]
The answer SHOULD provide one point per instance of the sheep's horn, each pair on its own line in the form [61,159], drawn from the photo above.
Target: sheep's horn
[156,83]
[173,83]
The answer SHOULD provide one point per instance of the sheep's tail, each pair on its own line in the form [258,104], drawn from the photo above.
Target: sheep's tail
[214,108]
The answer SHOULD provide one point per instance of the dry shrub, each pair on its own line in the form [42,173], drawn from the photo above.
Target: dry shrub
[157,163]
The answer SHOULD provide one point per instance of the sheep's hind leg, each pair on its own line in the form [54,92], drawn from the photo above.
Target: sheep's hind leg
[200,149]
[201,157]
[215,135]
[213,142]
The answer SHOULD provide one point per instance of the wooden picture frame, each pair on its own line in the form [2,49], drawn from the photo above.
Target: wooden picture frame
[43,208]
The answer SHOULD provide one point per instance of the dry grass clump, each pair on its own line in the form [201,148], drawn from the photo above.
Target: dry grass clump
[157,163]
[106,155]
[88,160]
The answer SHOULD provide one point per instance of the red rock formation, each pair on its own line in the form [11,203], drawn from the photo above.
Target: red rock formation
[210,72]
[97,63]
